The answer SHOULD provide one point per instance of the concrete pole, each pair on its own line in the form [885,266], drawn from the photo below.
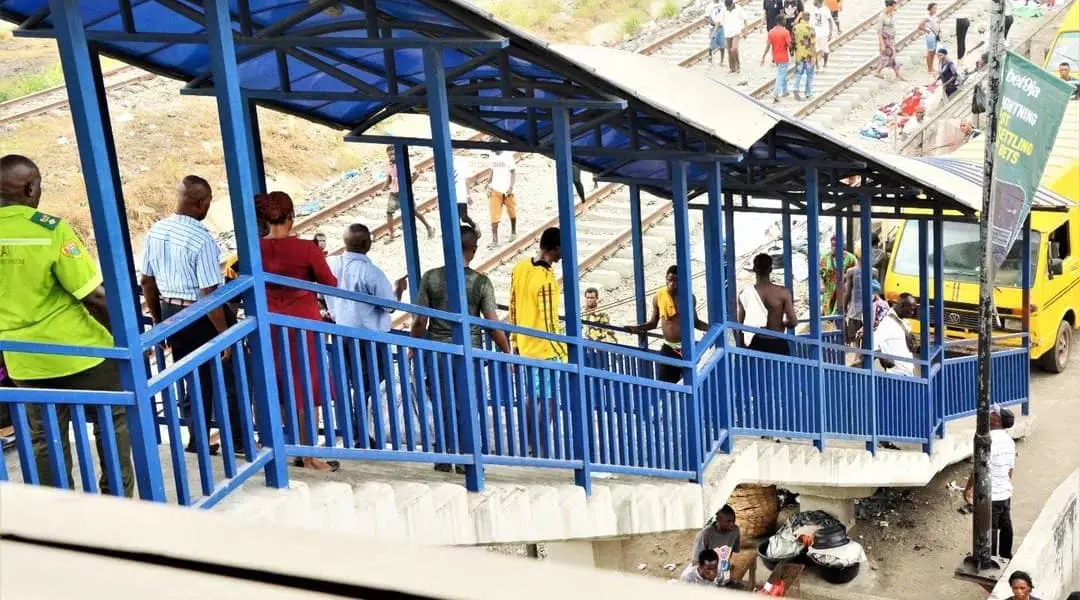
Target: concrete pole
[980,535]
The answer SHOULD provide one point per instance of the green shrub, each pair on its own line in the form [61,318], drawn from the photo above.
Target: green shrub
[27,83]
[632,23]
[669,10]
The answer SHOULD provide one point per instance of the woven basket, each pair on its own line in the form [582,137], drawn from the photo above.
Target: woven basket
[755,509]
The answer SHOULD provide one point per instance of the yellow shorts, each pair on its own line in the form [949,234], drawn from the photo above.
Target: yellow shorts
[496,202]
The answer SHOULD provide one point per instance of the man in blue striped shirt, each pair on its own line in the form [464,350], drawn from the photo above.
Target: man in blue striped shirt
[181,264]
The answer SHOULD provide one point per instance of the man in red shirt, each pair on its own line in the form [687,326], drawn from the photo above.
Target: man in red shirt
[778,41]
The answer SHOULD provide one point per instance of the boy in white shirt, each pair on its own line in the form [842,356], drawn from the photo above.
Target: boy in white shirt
[821,21]
[501,193]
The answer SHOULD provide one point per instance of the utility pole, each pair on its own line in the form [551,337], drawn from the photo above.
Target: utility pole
[980,536]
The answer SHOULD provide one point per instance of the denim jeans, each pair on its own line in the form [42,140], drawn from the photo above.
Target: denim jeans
[804,67]
[781,80]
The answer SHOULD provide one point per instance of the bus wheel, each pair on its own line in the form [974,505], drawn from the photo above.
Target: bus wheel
[1057,358]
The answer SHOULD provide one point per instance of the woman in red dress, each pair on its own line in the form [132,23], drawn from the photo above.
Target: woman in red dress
[285,254]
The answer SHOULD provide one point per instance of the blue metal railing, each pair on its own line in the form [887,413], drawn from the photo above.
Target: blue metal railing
[348,393]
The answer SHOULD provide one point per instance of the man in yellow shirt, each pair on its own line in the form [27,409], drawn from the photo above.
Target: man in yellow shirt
[534,303]
[53,294]
[665,312]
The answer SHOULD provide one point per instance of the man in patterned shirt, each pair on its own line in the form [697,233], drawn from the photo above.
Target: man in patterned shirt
[805,56]
[591,316]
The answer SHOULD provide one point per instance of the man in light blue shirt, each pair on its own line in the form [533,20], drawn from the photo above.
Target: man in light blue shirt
[357,273]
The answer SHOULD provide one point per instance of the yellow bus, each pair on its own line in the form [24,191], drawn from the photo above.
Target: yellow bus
[1055,244]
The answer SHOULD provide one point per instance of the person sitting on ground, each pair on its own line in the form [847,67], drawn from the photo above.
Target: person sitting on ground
[665,312]
[1021,585]
[724,538]
[968,130]
[767,306]
[480,299]
[1002,462]
[914,123]
[705,571]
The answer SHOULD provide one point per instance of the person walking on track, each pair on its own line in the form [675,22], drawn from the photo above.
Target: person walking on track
[501,193]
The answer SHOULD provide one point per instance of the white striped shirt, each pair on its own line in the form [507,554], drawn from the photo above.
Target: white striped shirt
[182,256]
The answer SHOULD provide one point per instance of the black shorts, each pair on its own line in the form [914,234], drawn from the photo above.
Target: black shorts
[669,373]
[835,15]
[770,345]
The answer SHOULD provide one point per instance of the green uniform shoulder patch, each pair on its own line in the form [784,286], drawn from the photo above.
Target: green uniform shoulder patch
[47,221]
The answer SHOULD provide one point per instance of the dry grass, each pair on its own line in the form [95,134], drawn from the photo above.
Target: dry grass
[159,143]
[554,21]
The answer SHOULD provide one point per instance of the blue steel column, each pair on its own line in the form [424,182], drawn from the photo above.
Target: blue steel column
[939,316]
[96,159]
[408,218]
[254,136]
[714,249]
[866,273]
[466,402]
[838,267]
[924,311]
[731,292]
[638,250]
[1025,287]
[717,276]
[789,277]
[694,422]
[235,136]
[564,178]
[813,251]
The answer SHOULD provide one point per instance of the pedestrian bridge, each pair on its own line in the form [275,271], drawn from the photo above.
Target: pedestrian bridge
[602,412]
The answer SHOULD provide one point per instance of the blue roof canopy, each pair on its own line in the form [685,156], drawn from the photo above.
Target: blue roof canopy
[353,64]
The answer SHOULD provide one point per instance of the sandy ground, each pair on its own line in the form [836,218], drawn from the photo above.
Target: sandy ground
[925,537]
[23,55]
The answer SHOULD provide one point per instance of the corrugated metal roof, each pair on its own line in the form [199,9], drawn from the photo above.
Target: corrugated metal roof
[1063,160]
[685,94]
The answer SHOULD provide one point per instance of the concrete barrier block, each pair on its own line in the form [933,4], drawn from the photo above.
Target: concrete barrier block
[547,518]
[500,514]
[375,505]
[451,510]
[624,267]
[608,279]
[638,508]
[416,506]
[654,244]
[332,506]
[576,518]
[602,515]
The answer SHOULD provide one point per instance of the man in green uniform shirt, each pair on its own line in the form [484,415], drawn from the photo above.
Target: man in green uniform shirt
[51,293]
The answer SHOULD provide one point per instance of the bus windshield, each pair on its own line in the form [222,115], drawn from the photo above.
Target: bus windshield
[960,255]
[1066,50]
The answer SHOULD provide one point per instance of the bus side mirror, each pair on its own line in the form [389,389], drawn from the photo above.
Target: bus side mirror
[1057,267]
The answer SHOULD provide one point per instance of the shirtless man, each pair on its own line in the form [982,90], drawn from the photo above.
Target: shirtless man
[779,309]
[665,312]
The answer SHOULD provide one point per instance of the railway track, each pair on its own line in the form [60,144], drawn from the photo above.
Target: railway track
[43,101]
[858,68]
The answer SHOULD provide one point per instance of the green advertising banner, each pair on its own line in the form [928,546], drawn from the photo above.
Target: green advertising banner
[1032,104]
